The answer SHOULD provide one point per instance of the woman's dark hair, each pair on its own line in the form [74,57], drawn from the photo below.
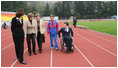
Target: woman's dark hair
[20,12]
[66,23]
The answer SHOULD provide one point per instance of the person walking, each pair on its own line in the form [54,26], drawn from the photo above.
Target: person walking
[74,21]
[52,29]
[18,35]
[40,32]
[31,32]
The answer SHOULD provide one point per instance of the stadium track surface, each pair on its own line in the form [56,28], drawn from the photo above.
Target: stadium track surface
[92,49]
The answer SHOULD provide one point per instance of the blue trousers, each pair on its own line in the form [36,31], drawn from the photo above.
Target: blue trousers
[55,39]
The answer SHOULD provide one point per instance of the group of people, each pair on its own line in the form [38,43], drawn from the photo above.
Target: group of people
[35,29]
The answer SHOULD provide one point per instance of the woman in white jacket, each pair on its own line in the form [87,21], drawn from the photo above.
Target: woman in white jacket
[31,32]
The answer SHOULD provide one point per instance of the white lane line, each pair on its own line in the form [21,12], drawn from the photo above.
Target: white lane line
[51,58]
[7,46]
[84,57]
[101,38]
[104,33]
[17,60]
[5,38]
[97,45]
[14,63]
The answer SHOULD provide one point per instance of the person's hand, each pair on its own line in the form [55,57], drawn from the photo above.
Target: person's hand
[25,35]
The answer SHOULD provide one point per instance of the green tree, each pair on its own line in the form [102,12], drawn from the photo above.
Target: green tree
[47,10]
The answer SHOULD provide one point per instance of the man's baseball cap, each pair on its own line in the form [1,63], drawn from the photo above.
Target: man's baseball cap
[37,14]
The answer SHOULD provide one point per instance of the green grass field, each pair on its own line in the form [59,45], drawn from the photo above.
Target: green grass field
[109,27]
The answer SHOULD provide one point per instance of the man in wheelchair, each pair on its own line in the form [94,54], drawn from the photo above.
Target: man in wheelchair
[67,37]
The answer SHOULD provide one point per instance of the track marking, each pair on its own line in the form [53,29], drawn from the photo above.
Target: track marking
[51,58]
[103,33]
[101,38]
[100,32]
[6,46]
[17,60]
[97,45]
[84,57]
[14,63]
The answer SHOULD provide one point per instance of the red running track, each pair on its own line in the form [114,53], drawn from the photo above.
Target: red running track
[92,49]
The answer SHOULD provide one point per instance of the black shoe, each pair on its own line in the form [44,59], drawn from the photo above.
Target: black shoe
[35,53]
[29,54]
[40,51]
[23,62]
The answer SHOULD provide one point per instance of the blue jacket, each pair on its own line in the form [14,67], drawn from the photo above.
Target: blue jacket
[52,27]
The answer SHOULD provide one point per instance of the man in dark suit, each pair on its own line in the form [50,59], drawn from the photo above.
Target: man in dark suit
[74,21]
[67,35]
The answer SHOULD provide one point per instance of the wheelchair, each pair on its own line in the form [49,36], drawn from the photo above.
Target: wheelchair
[64,48]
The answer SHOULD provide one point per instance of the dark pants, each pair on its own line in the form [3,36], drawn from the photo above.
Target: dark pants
[19,47]
[39,40]
[74,24]
[68,41]
[29,38]
[55,40]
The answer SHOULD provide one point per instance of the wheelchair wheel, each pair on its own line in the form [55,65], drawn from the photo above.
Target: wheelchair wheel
[61,48]
[61,45]
[73,49]
[64,48]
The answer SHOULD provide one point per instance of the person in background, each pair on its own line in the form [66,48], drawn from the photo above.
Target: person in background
[74,21]
[52,29]
[5,26]
[40,32]
[31,32]
[18,34]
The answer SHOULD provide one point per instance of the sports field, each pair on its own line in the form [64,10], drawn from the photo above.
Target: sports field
[109,27]
[92,49]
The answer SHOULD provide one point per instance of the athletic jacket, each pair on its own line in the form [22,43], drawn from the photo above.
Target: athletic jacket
[52,27]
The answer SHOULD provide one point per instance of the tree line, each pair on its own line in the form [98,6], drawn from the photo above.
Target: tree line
[65,9]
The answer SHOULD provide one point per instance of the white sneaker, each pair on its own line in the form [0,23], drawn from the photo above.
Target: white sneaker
[56,49]
[51,48]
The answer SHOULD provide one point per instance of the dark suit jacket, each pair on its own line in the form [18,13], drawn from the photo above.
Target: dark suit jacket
[74,21]
[17,27]
[65,33]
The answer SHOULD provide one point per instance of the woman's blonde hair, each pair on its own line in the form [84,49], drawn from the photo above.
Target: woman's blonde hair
[30,15]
